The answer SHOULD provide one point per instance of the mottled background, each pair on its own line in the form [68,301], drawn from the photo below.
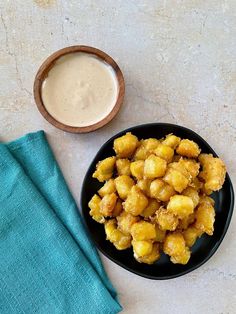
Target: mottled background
[179,62]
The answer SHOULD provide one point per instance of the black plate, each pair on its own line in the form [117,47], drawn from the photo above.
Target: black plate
[204,248]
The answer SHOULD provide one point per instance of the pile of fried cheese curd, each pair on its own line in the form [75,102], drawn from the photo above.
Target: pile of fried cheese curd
[155,196]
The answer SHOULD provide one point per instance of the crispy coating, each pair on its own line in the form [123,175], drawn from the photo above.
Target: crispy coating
[175,247]
[193,194]
[171,140]
[160,234]
[205,218]
[117,209]
[136,201]
[123,186]
[123,167]
[191,234]
[161,190]
[186,221]
[155,196]
[153,206]
[125,221]
[142,247]
[181,167]
[196,184]
[205,191]
[206,199]
[192,167]
[104,169]
[136,168]
[143,230]
[107,204]
[144,185]
[150,144]
[110,226]
[188,148]
[180,205]
[108,188]
[165,152]
[125,145]
[146,148]
[115,236]
[154,167]
[166,220]
[176,178]
[141,152]
[214,172]
[123,242]
[94,205]
[150,258]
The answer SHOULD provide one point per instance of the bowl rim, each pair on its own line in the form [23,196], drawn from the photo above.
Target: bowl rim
[47,65]
[216,245]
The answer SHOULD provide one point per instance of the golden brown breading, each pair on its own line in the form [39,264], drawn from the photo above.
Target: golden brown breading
[213,173]
[155,196]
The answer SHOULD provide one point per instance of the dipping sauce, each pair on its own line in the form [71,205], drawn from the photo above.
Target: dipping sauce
[80,89]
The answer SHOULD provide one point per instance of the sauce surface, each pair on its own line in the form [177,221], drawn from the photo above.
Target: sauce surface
[80,89]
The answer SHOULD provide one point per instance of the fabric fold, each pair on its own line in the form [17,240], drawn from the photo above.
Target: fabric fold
[47,264]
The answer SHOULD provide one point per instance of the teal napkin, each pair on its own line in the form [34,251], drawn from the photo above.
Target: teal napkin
[47,262]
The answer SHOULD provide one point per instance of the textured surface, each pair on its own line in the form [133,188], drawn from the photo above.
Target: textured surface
[50,261]
[179,62]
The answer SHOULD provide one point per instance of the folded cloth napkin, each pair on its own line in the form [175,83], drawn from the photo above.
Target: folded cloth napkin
[47,262]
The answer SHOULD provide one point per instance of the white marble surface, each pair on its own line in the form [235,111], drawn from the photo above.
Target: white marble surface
[179,62]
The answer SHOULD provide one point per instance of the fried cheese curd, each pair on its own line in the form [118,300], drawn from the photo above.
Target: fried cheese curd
[213,172]
[154,196]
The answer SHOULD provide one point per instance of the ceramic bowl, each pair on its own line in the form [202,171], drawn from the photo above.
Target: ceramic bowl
[46,67]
